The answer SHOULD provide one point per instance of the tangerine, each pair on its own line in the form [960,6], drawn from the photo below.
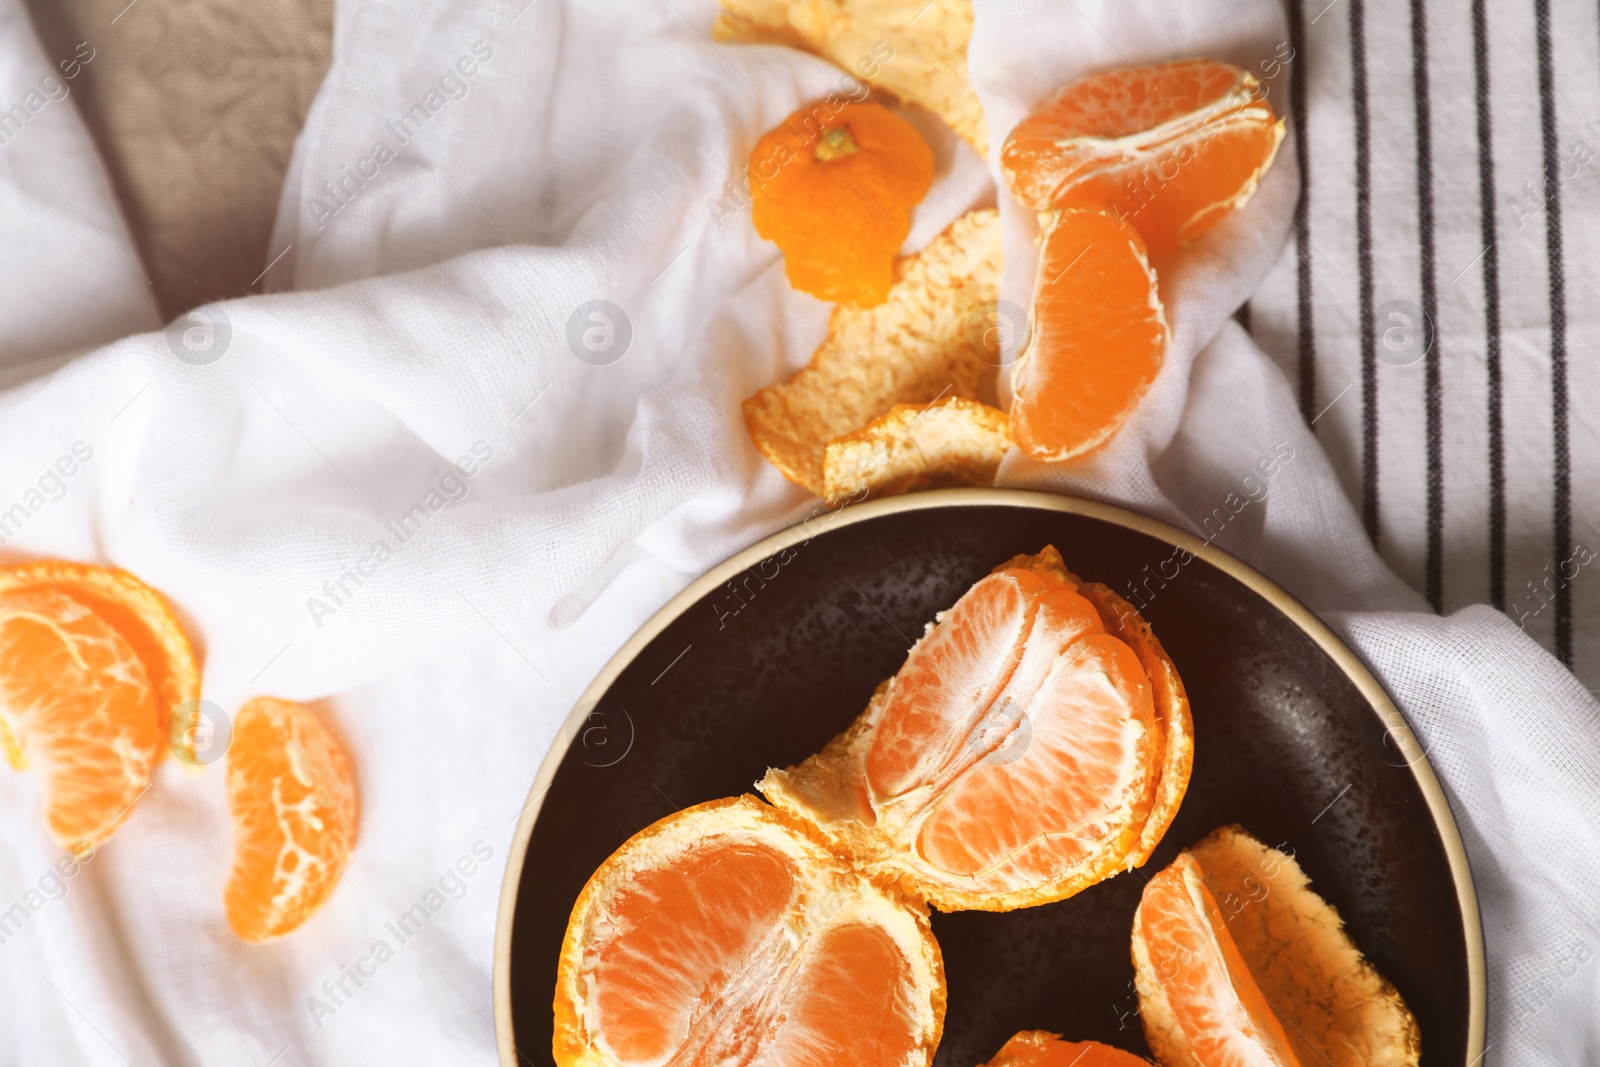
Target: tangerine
[292,796]
[834,189]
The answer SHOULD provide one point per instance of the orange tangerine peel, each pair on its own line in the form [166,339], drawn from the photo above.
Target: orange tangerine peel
[949,442]
[914,348]
[918,56]
[833,188]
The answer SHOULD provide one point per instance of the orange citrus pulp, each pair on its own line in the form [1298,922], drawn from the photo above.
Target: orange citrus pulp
[1098,339]
[1018,756]
[1036,1048]
[92,663]
[1171,149]
[1209,989]
[292,796]
[726,934]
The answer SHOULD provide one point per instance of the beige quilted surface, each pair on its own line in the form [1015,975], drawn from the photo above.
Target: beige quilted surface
[195,105]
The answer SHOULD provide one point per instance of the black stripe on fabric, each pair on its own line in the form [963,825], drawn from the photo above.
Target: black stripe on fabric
[1369,345]
[1242,316]
[1434,579]
[1305,326]
[1491,308]
[1562,520]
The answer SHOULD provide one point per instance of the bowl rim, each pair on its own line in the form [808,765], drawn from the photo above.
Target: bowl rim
[820,521]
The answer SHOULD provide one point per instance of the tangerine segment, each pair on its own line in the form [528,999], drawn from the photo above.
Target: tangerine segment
[1014,759]
[1098,340]
[292,796]
[1036,1048]
[834,189]
[1336,1006]
[136,612]
[1173,725]
[1075,787]
[1172,148]
[1182,945]
[950,678]
[1175,196]
[725,935]
[686,924]
[849,1004]
[79,709]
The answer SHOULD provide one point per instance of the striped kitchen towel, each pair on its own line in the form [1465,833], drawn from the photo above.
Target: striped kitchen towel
[1437,300]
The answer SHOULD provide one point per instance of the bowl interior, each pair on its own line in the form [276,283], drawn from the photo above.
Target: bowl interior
[768,667]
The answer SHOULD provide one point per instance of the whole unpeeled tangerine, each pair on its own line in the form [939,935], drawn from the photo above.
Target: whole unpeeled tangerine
[833,188]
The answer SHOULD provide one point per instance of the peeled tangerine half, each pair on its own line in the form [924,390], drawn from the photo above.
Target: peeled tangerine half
[728,934]
[1171,149]
[1036,1048]
[1099,335]
[1239,964]
[1036,741]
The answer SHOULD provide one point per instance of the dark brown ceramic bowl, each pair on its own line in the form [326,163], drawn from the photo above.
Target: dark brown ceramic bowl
[761,661]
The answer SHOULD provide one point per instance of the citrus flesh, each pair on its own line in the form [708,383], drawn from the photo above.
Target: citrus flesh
[137,614]
[1098,340]
[1225,1019]
[1036,1048]
[726,935]
[1015,758]
[79,710]
[1280,940]
[1171,149]
[292,797]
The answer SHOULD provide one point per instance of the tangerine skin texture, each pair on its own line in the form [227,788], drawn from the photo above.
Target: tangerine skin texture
[838,204]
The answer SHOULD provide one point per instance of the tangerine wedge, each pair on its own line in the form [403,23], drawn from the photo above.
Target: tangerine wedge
[1016,758]
[1238,962]
[727,934]
[1099,335]
[1171,149]
[292,796]
[1037,1048]
[92,663]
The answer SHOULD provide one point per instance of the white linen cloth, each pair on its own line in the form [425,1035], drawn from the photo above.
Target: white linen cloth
[583,158]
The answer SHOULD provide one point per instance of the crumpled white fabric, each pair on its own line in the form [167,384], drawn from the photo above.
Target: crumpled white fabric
[419,330]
